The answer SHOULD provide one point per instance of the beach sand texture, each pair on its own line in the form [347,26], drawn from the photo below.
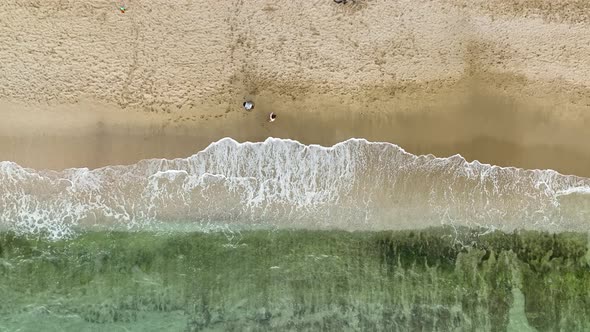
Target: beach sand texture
[83,84]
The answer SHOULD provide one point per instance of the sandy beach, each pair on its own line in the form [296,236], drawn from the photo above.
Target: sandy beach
[84,85]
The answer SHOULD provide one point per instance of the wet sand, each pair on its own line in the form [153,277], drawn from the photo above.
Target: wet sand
[83,85]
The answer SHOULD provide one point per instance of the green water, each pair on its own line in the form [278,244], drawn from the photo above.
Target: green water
[431,280]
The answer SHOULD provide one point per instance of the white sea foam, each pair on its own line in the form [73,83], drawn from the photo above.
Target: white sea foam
[353,185]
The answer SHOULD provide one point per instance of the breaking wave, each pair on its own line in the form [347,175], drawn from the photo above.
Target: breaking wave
[353,185]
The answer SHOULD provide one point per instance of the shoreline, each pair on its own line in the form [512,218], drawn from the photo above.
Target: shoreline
[478,121]
[95,87]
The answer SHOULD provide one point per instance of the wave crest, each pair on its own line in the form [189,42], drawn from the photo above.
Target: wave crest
[352,185]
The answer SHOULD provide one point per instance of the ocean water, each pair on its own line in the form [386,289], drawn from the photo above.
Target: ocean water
[354,185]
[282,236]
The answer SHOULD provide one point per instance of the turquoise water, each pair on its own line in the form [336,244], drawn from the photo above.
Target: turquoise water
[439,279]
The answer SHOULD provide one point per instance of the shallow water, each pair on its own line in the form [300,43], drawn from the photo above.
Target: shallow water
[354,185]
[438,279]
[282,236]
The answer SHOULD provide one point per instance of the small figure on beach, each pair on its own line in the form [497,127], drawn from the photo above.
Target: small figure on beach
[340,1]
[248,105]
[122,8]
[272,117]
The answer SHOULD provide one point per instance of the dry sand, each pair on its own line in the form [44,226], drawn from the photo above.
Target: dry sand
[504,82]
